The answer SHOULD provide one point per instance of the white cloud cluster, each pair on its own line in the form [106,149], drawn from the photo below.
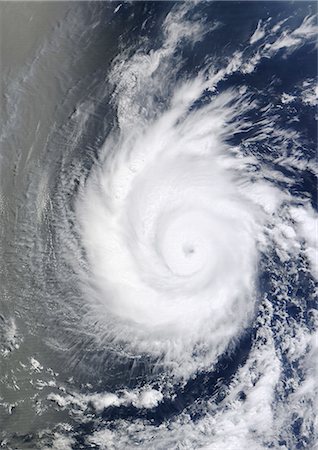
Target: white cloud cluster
[174,223]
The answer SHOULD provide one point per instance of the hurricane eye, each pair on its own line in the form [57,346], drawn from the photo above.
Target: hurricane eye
[188,250]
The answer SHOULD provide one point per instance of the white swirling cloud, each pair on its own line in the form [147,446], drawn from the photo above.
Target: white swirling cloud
[168,225]
[176,224]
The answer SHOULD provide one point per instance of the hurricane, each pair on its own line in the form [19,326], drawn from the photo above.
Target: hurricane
[158,211]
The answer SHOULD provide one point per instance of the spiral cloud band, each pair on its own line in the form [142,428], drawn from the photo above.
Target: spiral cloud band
[159,229]
[170,234]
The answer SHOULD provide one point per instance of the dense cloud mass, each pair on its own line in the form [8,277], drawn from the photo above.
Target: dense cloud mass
[160,231]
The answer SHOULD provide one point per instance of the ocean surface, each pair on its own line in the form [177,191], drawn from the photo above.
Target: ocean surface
[158,225]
